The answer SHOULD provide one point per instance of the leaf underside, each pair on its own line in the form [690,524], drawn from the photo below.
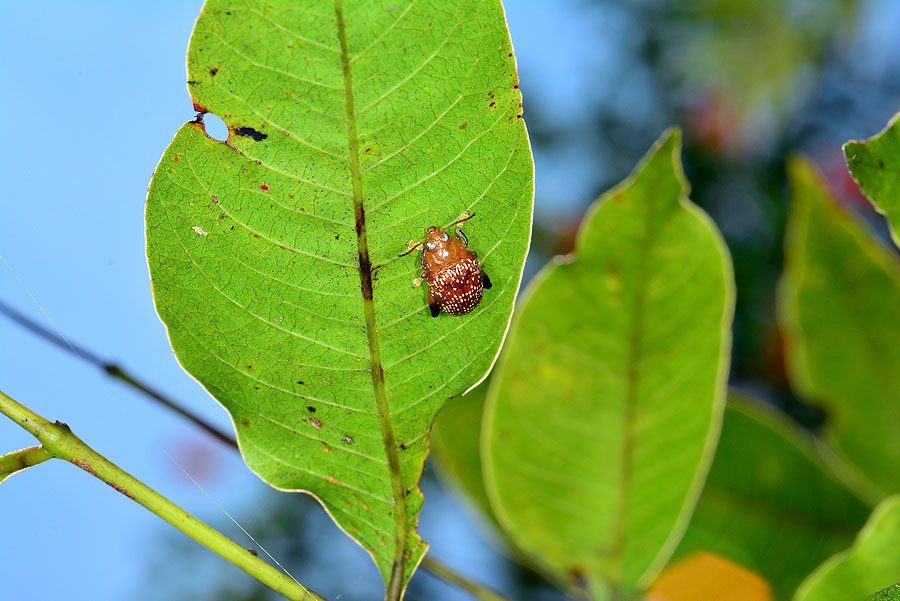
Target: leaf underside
[772,502]
[839,303]
[274,256]
[604,408]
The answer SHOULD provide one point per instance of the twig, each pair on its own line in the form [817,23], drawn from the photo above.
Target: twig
[114,371]
[448,574]
[436,568]
[59,441]
[17,461]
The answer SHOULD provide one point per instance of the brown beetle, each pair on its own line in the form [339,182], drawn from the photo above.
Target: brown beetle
[456,280]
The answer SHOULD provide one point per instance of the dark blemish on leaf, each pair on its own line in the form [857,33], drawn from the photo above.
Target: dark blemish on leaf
[619,197]
[249,132]
[256,388]
[199,108]
[337,236]
[368,149]
[264,187]
[245,422]
[579,575]
[880,164]
[449,397]
[301,382]
[492,104]
[213,71]
[464,125]
[176,158]
[315,423]
[249,366]
[228,12]
[311,409]
[402,446]
[326,449]
[519,116]
[510,54]
[192,82]
[516,87]
[215,199]
[253,552]
[347,439]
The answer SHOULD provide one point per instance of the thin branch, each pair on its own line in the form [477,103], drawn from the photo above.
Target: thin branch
[113,370]
[448,574]
[430,565]
[59,441]
[15,462]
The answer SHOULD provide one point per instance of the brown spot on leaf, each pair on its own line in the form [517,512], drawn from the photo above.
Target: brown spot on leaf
[464,125]
[264,187]
[213,71]
[315,423]
[176,158]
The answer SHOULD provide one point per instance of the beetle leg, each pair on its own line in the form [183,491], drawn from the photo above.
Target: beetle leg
[433,304]
[422,261]
[485,281]
[462,236]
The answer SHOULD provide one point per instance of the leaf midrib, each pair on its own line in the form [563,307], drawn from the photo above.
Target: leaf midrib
[401,518]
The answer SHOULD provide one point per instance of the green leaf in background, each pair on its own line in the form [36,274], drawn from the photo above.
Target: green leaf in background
[839,304]
[891,593]
[17,461]
[274,256]
[604,409]
[456,449]
[875,165]
[773,501]
[872,563]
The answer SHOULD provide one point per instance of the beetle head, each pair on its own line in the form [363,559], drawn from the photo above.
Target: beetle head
[435,237]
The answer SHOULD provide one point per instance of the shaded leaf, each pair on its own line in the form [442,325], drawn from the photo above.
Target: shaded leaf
[456,449]
[706,577]
[604,409]
[875,165]
[872,563]
[773,500]
[274,257]
[839,304]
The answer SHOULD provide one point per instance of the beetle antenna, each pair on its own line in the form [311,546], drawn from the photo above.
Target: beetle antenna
[412,246]
[462,218]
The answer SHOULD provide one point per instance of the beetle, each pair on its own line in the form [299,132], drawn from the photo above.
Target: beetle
[456,280]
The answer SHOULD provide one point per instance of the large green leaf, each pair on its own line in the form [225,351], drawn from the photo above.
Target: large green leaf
[872,563]
[875,164]
[773,501]
[274,256]
[604,409]
[840,307]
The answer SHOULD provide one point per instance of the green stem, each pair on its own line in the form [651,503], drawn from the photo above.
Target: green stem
[447,574]
[20,460]
[59,441]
